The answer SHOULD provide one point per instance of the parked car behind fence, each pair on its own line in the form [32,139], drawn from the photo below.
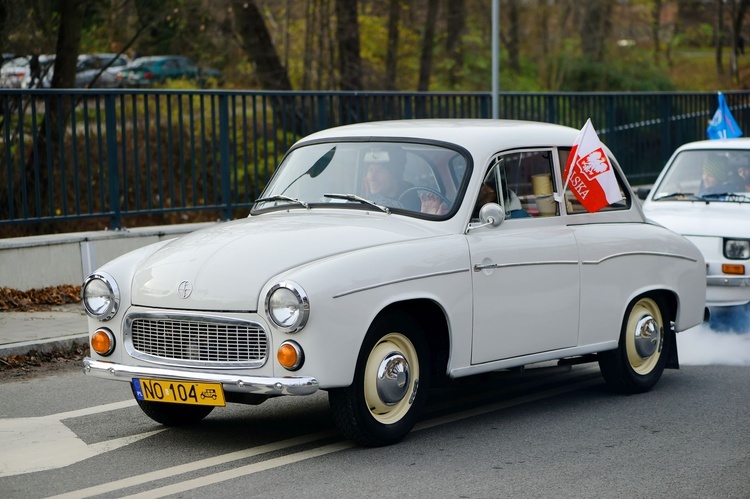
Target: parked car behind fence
[99,70]
[16,72]
[155,70]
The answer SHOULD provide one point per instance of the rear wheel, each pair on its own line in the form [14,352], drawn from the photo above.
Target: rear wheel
[390,384]
[639,360]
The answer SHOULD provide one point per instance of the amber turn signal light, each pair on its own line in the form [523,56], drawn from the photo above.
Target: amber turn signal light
[103,341]
[290,355]
[733,268]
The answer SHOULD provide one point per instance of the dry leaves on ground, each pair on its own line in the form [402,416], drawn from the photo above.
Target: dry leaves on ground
[38,299]
[38,363]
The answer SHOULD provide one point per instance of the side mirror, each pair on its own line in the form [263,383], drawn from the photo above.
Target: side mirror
[490,214]
[642,192]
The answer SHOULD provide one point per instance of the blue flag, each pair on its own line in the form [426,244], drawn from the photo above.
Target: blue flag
[722,125]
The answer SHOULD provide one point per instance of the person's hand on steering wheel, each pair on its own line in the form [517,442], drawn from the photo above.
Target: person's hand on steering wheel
[432,203]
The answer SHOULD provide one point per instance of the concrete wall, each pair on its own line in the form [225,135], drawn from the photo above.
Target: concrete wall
[51,260]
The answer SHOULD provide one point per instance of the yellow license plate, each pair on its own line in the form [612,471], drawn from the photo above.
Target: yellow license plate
[179,392]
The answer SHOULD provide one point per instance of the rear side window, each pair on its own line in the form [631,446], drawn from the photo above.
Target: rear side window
[573,206]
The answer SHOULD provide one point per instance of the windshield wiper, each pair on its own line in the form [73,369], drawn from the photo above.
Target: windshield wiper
[676,195]
[354,197]
[279,197]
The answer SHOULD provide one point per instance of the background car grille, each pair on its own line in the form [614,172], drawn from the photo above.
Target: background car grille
[199,341]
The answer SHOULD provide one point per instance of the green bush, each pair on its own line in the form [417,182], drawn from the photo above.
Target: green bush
[636,75]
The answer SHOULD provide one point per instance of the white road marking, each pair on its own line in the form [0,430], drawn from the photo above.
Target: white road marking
[242,471]
[250,469]
[43,443]
[194,466]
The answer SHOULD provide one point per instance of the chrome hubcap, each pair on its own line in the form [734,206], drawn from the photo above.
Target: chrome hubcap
[646,337]
[393,378]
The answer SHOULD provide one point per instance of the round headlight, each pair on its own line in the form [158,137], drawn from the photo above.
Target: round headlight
[101,296]
[287,306]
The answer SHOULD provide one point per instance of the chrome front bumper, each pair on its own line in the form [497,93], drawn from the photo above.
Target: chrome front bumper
[730,281]
[258,385]
[727,291]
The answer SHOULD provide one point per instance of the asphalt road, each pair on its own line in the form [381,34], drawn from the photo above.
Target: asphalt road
[548,432]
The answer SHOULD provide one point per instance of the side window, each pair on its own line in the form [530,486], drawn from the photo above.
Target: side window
[572,204]
[522,183]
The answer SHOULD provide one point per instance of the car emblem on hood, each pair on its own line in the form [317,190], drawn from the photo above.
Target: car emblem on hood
[184,289]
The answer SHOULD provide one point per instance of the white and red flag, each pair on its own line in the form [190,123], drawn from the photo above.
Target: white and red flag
[589,173]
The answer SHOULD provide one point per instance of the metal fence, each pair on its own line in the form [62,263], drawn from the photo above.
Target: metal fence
[166,156]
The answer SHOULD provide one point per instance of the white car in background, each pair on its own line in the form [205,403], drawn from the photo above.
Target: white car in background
[90,72]
[13,71]
[716,218]
[16,72]
[383,258]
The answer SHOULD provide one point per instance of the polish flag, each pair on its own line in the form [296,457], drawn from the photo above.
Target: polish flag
[589,173]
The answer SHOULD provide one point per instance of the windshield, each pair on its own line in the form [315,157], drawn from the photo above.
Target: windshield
[711,174]
[415,179]
[144,64]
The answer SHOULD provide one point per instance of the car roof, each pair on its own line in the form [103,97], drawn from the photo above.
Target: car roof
[480,136]
[160,57]
[737,143]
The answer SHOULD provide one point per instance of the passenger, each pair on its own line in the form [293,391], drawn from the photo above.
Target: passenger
[385,182]
[715,176]
[744,173]
[513,207]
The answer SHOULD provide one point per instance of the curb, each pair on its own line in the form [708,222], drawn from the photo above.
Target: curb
[44,346]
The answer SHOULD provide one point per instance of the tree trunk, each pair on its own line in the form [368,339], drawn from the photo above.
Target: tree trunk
[456,24]
[738,17]
[597,23]
[68,43]
[655,28]
[718,36]
[56,115]
[676,30]
[3,25]
[309,46]
[271,74]
[512,42]
[391,56]
[257,43]
[347,30]
[428,40]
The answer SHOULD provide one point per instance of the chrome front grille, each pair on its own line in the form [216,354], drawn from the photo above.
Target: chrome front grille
[196,340]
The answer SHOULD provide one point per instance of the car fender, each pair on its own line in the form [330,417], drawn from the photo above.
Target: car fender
[346,292]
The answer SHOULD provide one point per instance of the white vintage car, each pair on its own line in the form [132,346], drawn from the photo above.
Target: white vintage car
[703,192]
[384,258]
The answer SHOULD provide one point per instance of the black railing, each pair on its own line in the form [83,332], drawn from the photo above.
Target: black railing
[76,155]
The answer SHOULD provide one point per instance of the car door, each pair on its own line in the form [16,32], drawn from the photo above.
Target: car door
[170,70]
[525,273]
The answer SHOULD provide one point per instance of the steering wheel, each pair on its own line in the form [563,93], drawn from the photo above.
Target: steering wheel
[422,188]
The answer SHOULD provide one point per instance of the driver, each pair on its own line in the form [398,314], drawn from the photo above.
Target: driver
[385,179]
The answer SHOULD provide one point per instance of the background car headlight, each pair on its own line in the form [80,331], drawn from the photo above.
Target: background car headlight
[101,296]
[736,249]
[287,306]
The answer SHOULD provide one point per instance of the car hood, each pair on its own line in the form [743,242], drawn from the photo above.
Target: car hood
[227,265]
[715,219]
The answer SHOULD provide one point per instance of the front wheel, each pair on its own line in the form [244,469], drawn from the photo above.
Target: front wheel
[641,355]
[390,384]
